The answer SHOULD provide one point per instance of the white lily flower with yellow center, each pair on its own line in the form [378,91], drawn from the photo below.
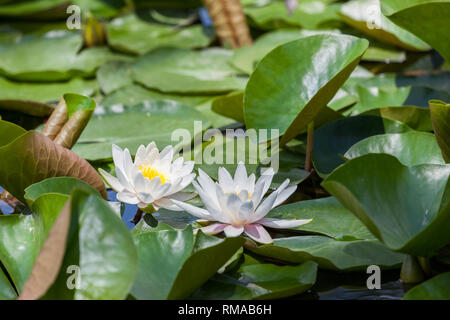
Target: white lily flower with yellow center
[152,179]
[237,206]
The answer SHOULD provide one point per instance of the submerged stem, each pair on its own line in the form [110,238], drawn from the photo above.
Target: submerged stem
[411,270]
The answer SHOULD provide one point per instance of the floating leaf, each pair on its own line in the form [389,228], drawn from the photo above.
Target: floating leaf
[434,289]
[37,10]
[175,274]
[51,57]
[31,157]
[298,90]
[366,16]
[260,281]
[135,94]
[328,216]
[410,148]
[48,262]
[434,15]
[440,117]
[182,70]
[7,292]
[132,126]
[332,254]
[135,35]
[246,58]
[61,185]
[100,245]
[334,139]
[34,98]
[308,15]
[22,238]
[114,75]
[408,208]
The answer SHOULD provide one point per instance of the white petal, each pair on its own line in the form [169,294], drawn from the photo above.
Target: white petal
[117,154]
[282,224]
[195,211]
[167,153]
[182,196]
[127,197]
[234,203]
[127,163]
[186,169]
[161,190]
[258,233]
[284,195]
[246,211]
[233,231]
[261,187]
[283,185]
[145,197]
[265,207]
[205,181]
[215,228]
[210,202]
[112,181]
[139,181]
[166,203]
[140,155]
[251,183]
[240,176]
[225,180]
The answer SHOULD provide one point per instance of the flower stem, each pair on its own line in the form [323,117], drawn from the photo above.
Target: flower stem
[309,146]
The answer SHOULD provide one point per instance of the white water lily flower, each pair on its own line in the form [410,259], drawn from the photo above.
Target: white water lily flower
[152,179]
[237,206]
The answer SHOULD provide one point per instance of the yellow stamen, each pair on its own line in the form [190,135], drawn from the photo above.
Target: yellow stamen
[151,173]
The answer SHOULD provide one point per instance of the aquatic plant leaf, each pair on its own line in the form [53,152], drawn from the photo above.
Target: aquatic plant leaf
[408,208]
[410,148]
[433,14]
[287,91]
[440,117]
[175,274]
[32,157]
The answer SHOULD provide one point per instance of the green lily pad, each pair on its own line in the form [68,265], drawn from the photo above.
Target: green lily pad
[291,106]
[407,208]
[51,57]
[328,216]
[182,70]
[434,289]
[22,238]
[371,98]
[383,54]
[246,58]
[440,117]
[366,16]
[27,157]
[260,281]
[331,254]
[101,8]
[334,139]
[230,106]
[7,292]
[114,75]
[175,273]
[410,148]
[35,10]
[132,126]
[133,35]
[417,118]
[134,94]
[34,98]
[61,185]
[103,249]
[308,14]
[434,15]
